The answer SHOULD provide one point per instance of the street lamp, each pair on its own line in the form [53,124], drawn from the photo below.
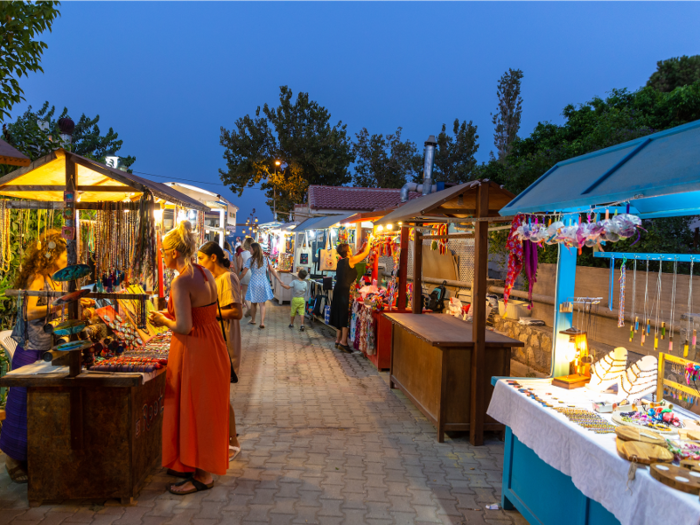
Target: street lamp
[274,192]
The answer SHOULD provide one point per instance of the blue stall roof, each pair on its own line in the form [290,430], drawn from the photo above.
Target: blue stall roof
[659,175]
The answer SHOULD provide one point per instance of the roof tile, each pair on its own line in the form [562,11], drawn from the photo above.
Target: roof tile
[355,199]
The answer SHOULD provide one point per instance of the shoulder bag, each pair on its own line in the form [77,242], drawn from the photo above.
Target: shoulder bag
[234,377]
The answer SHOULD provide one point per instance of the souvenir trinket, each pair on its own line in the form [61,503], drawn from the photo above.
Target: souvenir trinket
[72,273]
[70,297]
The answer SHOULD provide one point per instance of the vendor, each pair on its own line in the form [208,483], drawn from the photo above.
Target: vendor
[345,275]
[43,260]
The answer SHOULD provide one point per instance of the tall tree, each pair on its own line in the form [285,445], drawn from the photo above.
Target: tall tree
[510,109]
[383,162]
[20,51]
[35,133]
[296,133]
[675,72]
[454,156]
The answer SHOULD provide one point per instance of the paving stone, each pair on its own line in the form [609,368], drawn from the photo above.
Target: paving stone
[325,441]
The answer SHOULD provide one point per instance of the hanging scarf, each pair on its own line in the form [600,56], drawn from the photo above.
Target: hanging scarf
[515,256]
[530,267]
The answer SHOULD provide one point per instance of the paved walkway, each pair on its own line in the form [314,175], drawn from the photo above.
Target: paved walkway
[324,441]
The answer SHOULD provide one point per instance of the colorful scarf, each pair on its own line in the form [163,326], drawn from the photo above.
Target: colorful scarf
[515,256]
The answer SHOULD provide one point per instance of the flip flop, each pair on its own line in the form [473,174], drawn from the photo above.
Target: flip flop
[197,485]
[235,450]
[16,472]
[251,322]
[262,326]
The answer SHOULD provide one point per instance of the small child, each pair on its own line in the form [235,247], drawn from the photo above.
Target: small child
[298,288]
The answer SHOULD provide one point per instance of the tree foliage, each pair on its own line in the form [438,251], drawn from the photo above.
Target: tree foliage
[36,133]
[20,51]
[510,110]
[675,72]
[297,133]
[383,162]
[454,155]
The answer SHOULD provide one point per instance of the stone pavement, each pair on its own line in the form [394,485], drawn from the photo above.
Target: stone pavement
[324,441]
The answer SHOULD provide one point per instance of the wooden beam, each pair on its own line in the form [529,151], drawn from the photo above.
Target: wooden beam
[72,248]
[450,236]
[52,205]
[28,187]
[115,189]
[14,161]
[461,211]
[417,273]
[477,399]
[403,270]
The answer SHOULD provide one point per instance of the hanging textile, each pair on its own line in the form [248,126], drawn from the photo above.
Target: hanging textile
[515,256]
[530,267]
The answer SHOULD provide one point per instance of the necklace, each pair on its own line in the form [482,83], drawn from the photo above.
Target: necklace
[621,311]
[658,304]
[635,325]
[673,307]
[647,327]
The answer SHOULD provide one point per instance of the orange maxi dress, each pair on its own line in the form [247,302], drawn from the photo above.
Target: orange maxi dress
[195,419]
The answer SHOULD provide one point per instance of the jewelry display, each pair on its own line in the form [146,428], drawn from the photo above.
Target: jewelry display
[606,372]
[639,379]
[621,310]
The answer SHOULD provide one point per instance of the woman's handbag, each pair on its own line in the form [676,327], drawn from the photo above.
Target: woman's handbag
[234,377]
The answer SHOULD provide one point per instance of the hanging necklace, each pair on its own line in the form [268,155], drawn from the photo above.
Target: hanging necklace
[612,279]
[690,310]
[673,307]
[635,324]
[38,229]
[658,305]
[621,311]
[646,327]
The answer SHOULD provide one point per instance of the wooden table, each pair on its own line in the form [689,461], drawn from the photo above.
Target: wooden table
[431,362]
[95,436]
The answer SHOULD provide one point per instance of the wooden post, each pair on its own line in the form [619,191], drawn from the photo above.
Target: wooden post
[417,273]
[72,248]
[478,364]
[403,270]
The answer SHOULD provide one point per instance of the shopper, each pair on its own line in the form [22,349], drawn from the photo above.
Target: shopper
[212,257]
[259,291]
[298,287]
[242,276]
[227,251]
[345,276]
[195,422]
[38,266]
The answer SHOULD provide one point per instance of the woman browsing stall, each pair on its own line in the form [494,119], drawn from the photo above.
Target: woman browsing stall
[195,421]
[212,257]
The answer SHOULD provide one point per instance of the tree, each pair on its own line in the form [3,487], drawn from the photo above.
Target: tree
[510,109]
[298,134]
[383,162]
[20,52]
[675,72]
[36,134]
[454,156]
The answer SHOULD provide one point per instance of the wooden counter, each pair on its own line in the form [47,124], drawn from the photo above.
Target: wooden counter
[431,363]
[95,436]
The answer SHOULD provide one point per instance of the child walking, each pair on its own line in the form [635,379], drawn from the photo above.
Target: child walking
[298,288]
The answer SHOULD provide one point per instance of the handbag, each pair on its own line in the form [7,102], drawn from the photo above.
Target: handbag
[328,257]
[234,377]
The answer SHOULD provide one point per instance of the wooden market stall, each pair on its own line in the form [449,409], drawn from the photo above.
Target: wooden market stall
[90,434]
[452,350]
[551,466]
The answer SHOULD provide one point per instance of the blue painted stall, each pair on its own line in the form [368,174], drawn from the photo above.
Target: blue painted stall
[653,176]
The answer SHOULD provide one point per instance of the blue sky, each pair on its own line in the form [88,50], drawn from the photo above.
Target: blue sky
[166,76]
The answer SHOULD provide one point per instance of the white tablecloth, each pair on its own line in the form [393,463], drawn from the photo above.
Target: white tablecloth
[590,459]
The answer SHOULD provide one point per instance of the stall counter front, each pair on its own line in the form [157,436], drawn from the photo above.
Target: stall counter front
[431,363]
[555,471]
[94,436]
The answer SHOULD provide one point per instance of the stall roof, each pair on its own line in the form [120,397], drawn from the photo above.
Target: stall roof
[658,174]
[45,179]
[369,215]
[455,202]
[330,220]
[308,224]
[12,156]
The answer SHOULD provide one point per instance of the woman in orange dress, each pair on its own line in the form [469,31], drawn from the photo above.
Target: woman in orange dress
[195,420]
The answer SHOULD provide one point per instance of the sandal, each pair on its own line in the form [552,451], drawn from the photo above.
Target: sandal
[233,452]
[16,473]
[262,326]
[251,322]
[197,485]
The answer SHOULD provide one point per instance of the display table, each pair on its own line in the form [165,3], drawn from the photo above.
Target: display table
[95,436]
[281,293]
[557,472]
[431,363]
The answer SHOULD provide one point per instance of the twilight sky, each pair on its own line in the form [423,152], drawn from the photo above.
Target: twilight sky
[167,75]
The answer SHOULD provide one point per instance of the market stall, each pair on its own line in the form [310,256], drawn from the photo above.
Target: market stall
[95,402]
[472,205]
[575,442]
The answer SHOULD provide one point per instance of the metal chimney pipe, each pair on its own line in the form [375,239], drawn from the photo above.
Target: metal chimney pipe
[429,153]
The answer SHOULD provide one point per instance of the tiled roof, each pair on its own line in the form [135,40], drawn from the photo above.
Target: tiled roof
[359,199]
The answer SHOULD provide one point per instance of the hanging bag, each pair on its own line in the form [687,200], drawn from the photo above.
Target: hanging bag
[304,255]
[329,257]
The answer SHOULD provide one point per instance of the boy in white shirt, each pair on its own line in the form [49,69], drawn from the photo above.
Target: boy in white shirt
[298,288]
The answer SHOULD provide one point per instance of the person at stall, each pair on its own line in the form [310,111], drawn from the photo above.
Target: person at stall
[259,291]
[345,275]
[40,263]
[195,419]
[242,276]
[298,287]
[212,257]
